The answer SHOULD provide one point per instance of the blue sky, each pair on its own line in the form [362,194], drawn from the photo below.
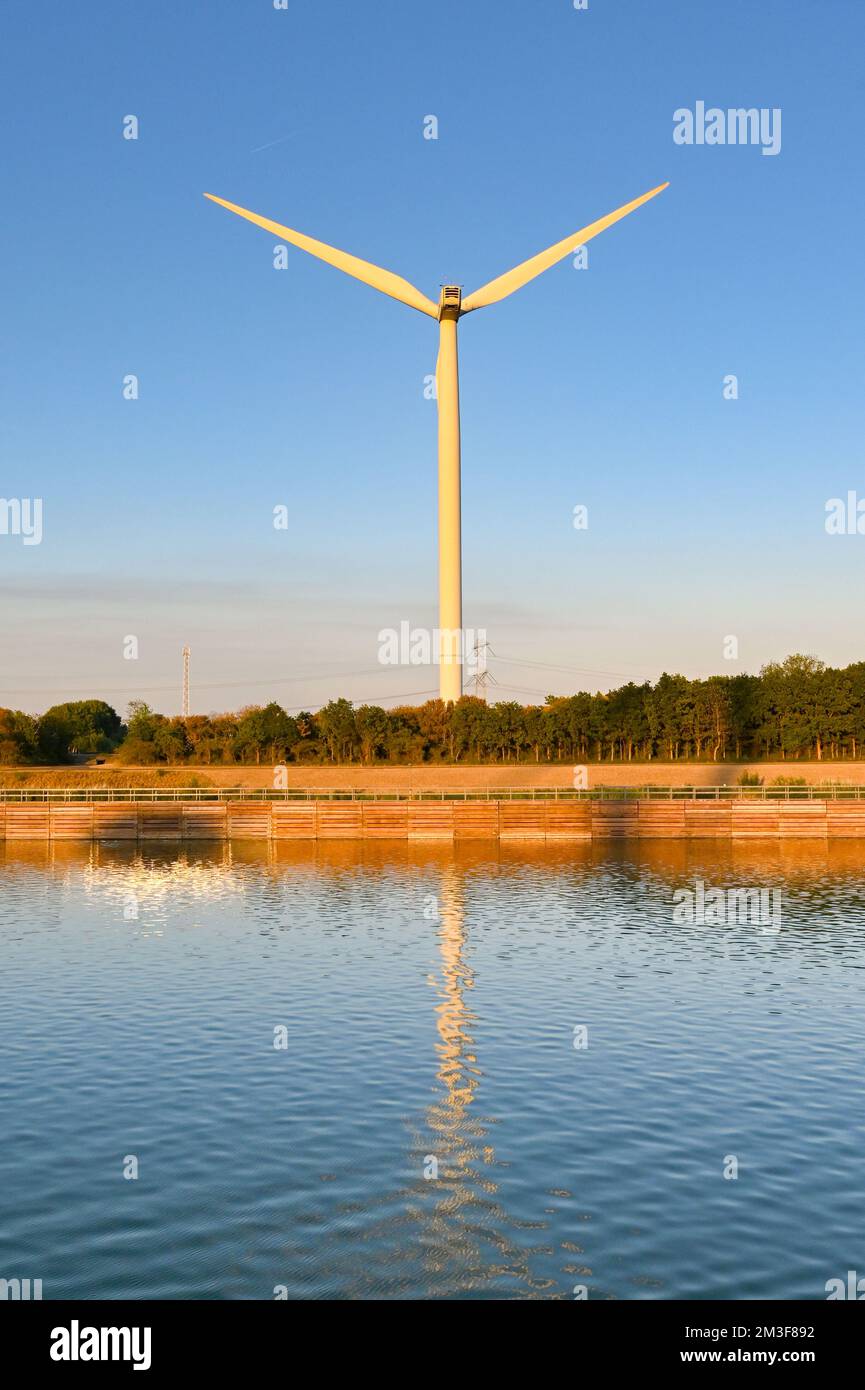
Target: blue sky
[261,387]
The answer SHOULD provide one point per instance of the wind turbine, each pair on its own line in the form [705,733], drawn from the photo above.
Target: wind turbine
[449,310]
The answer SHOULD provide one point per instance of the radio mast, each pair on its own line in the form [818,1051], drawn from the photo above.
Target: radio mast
[185,703]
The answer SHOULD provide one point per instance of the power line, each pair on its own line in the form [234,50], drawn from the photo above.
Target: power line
[105,683]
[575,670]
[371,700]
[520,690]
[205,685]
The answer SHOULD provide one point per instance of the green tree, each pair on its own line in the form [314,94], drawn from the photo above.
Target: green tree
[139,746]
[250,738]
[170,741]
[94,727]
[791,705]
[338,729]
[372,726]
[19,737]
[54,738]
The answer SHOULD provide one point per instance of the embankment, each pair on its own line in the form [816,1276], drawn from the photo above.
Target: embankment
[539,820]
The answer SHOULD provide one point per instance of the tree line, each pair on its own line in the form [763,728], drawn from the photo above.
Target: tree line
[794,709]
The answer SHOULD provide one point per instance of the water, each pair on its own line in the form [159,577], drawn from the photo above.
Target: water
[413,1037]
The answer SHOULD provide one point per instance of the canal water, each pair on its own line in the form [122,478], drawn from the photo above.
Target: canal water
[391,1071]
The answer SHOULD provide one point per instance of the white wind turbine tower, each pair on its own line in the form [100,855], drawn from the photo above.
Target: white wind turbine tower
[449,310]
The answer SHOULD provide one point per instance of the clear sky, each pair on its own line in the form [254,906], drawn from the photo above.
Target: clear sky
[261,387]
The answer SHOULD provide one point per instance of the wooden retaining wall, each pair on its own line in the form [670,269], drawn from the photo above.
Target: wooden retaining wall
[435,820]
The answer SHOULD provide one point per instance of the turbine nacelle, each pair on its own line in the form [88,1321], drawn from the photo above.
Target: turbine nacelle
[450,302]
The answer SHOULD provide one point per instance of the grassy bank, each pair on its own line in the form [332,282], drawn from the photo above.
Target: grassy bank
[103,777]
[462,776]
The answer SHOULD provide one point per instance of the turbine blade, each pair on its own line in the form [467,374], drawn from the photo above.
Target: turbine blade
[522,274]
[383,280]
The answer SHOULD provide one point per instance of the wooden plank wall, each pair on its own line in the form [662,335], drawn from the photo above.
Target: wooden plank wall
[435,820]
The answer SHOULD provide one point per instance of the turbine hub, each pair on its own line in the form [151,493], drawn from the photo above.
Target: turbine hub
[450,303]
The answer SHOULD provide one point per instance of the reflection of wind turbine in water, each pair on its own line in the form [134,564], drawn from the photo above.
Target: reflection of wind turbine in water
[457,1071]
[460,1205]
[450,1234]
[452,1205]
[449,310]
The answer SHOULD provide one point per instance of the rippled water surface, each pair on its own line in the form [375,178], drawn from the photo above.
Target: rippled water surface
[429,998]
